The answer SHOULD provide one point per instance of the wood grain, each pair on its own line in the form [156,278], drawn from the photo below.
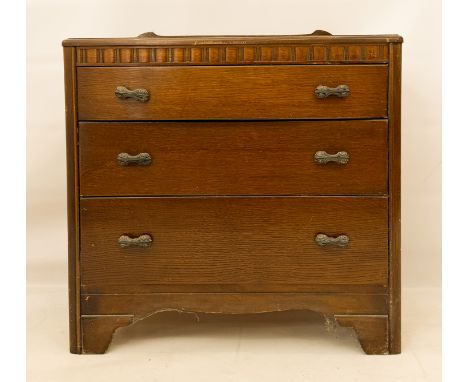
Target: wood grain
[234,92]
[142,305]
[371,331]
[71,135]
[99,330]
[252,125]
[234,40]
[257,54]
[239,240]
[395,200]
[253,287]
[231,158]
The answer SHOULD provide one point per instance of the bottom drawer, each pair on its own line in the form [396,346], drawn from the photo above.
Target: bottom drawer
[251,244]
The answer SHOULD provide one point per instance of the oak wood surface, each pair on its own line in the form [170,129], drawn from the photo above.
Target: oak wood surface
[371,331]
[143,305]
[232,92]
[71,135]
[241,240]
[242,54]
[233,40]
[232,158]
[234,254]
[395,200]
[99,330]
[255,287]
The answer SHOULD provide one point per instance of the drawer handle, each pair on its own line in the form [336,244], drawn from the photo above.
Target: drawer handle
[324,240]
[141,159]
[140,241]
[341,91]
[141,95]
[322,157]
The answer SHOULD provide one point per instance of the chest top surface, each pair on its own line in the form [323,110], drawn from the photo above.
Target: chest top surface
[150,49]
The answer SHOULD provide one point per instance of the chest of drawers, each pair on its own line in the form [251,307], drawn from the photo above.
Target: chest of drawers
[234,174]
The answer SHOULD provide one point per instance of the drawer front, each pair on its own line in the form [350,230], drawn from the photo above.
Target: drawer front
[255,92]
[256,243]
[229,158]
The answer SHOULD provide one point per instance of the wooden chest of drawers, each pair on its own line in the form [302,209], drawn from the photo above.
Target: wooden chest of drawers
[234,174]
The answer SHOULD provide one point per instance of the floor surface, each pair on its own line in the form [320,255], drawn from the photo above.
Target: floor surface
[285,346]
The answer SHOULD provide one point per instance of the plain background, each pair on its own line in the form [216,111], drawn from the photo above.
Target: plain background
[51,21]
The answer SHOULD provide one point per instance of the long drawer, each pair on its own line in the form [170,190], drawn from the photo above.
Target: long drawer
[232,92]
[231,158]
[259,244]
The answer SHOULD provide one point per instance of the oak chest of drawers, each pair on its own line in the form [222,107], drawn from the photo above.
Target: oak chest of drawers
[234,174]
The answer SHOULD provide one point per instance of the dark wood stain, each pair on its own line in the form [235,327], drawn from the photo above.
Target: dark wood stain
[233,92]
[395,201]
[172,41]
[233,158]
[141,305]
[71,135]
[233,198]
[371,330]
[98,331]
[226,240]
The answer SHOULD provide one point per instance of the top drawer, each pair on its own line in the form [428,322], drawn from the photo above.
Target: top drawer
[233,92]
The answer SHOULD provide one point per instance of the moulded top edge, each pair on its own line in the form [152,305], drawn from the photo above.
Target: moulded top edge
[234,40]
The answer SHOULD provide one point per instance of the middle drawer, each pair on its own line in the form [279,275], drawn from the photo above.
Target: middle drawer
[232,158]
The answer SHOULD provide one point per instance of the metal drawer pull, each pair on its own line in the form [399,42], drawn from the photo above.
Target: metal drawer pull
[141,159]
[340,91]
[324,240]
[322,157]
[140,241]
[141,95]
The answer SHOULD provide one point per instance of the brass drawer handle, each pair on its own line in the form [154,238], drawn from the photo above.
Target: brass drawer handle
[324,240]
[141,159]
[141,95]
[341,91]
[140,241]
[322,157]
